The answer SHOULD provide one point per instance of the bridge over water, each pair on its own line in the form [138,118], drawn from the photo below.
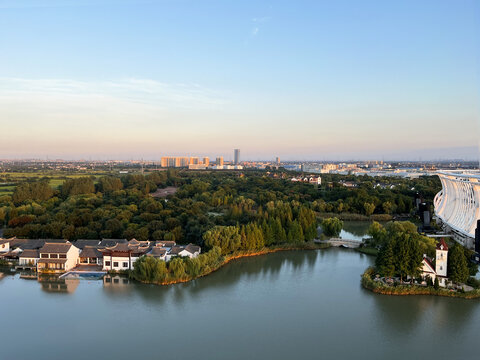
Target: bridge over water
[337,242]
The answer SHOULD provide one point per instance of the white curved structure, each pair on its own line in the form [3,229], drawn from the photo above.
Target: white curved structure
[457,205]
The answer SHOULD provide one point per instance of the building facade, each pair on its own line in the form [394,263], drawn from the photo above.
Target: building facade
[457,206]
[236,156]
[57,257]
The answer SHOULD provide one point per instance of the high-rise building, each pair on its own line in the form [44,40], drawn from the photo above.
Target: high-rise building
[236,156]
[206,161]
[194,161]
[277,160]
[219,161]
[172,161]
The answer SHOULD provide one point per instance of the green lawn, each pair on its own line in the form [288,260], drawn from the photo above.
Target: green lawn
[56,178]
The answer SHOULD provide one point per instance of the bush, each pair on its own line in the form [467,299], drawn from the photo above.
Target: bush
[332,226]
[475,283]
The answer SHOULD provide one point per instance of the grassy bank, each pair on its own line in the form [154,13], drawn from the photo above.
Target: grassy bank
[403,290]
[223,260]
[356,217]
[367,250]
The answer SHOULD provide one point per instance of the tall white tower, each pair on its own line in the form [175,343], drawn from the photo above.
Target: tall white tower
[441,258]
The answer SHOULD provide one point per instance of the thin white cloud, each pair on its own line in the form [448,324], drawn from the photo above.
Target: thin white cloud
[66,116]
[261,20]
[257,22]
[132,90]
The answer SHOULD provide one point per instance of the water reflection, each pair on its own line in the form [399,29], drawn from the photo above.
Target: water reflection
[355,229]
[403,314]
[52,284]
[265,268]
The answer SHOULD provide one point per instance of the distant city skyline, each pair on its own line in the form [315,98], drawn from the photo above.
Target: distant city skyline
[306,80]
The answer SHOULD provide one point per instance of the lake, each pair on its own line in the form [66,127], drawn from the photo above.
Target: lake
[286,305]
[355,230]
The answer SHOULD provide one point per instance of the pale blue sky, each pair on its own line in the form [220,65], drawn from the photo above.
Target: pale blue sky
[297,79]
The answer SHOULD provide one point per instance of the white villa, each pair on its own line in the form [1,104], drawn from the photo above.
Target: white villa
[439,270]
[57,257]
[28,257]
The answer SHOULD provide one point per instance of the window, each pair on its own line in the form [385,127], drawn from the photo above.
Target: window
[53,256]
[125,264]
[115,264]
[62,256]
[107,263]
[44,256]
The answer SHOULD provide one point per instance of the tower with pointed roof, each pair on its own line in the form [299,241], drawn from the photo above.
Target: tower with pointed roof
[441,258]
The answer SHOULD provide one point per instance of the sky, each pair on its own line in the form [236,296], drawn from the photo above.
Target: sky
[302,80]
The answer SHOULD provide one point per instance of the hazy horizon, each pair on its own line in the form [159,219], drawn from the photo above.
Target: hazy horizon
[340,80]
[454,154]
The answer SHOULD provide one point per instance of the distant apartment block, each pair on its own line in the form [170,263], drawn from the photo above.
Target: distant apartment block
[179,161]
[195,163]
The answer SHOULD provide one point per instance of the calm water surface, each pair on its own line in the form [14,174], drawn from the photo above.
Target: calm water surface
[288,305]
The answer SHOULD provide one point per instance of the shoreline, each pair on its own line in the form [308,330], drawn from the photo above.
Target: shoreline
[228,259]
[409,290]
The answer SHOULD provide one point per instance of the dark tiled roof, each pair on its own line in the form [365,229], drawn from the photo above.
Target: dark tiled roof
[166,243]
[90,252]
[31,244]
[36,243]
[112,242]
[157,252]
[176,249]
[123,247]
[81,243]
[134,242]
[29,253]
[192,248]
[55,248]
[17,242]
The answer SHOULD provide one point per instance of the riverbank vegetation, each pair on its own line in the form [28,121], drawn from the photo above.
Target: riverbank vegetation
[371,283]
[182,269]
[398,262]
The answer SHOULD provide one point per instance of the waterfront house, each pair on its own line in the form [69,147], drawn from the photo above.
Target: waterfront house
[29,258]
[57,257]
[173,251]
[121,256]
[439,270]
[90,255]
[192,251]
